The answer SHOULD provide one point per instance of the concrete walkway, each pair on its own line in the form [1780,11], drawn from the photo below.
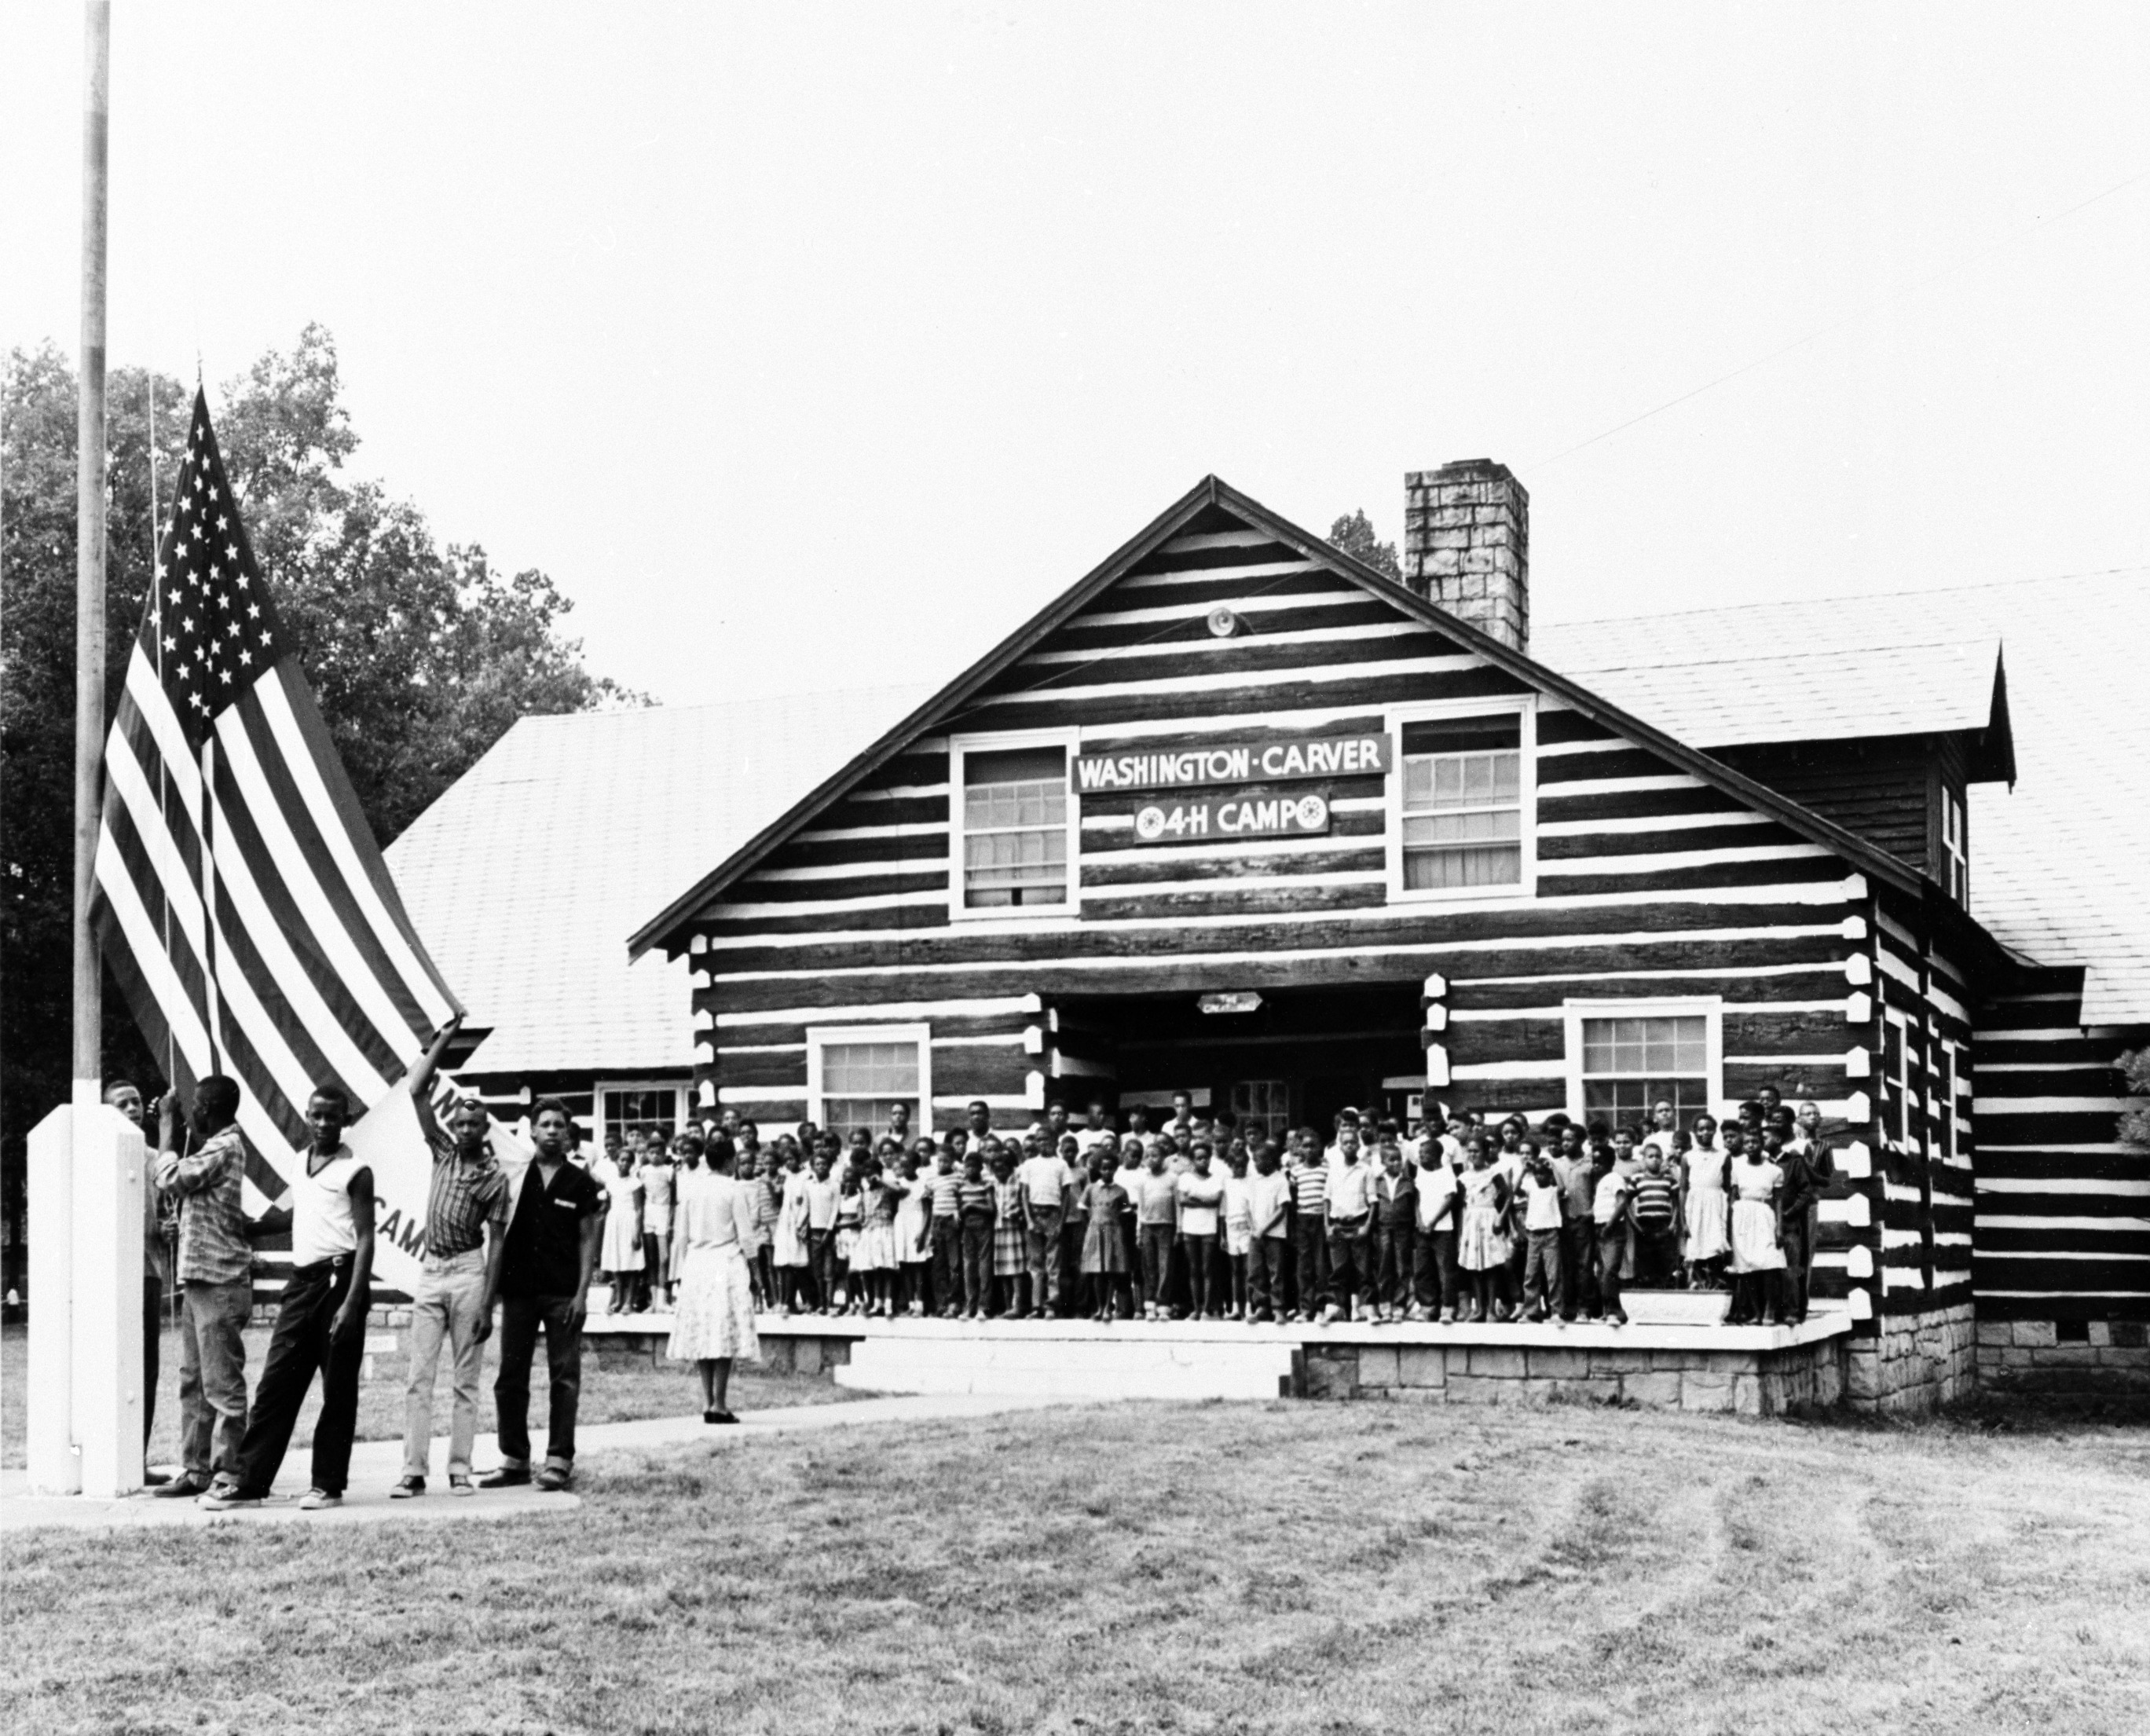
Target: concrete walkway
[376,1465]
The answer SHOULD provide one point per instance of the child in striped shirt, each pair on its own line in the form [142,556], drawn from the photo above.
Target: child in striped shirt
[945,1249]
[1654,1211]
[977,1208]
[1309,1199]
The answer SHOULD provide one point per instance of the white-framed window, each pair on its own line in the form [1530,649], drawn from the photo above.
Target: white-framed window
[1956,847]
[630,1108]
[856,1074]
[1625,1057]
[1012,824]
[1462,799]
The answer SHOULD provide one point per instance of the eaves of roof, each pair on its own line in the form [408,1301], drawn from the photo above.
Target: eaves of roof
[665,929]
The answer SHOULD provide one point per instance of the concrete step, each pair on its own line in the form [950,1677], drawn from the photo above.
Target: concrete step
[1051,1367]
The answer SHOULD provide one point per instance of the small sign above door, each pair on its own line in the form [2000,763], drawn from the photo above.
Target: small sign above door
[1243,1000]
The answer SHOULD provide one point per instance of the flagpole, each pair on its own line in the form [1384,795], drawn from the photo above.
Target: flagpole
[89,549]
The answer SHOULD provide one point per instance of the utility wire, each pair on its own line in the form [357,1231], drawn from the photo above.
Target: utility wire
[1849,318]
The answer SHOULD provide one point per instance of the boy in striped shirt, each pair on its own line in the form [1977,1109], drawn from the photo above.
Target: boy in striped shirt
[977,1208]
[1654,1210]
[1309,1199]
[945,1191]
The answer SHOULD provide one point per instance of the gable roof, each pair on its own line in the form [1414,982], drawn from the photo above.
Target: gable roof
[666,928]
[1700,678]
[2060,865]
[517,876]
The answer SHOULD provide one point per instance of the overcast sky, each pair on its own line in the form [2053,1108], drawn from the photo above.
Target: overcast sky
[807,346]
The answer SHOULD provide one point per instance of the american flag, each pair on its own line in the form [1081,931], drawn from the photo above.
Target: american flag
[241,902]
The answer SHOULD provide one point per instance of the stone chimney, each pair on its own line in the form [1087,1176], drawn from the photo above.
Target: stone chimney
[1467,545]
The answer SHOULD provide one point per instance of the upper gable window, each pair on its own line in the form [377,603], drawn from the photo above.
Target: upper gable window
[1955,846]
[1462,799]
[1014,825]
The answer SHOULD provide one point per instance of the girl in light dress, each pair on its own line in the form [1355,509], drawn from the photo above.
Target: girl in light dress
[660,1172]
[687,1160]
[1708,1208]
[1482,1246]
[873,1257]
[850,1222]
[746,1171]
[791,1254]
[620,1254]
[713,1322]
[1105,1245]
[1239,1226]
[1011,1240]
[1758,1253]
[914,1206]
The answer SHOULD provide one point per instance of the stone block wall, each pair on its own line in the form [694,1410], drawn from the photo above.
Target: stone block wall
[2031,1356]
[1751,1384]
[1915,1363]
[1467,545]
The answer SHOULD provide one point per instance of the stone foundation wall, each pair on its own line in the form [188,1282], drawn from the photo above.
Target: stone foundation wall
[1753,1385]
[2030,1356]
[1915,1364]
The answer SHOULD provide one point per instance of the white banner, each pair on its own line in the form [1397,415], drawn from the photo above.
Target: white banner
[387,1140]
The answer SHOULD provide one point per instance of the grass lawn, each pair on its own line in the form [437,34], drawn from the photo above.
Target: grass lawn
[619,1391]
[1300,1567]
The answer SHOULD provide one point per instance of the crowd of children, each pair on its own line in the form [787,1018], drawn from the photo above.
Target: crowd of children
[1471,1221]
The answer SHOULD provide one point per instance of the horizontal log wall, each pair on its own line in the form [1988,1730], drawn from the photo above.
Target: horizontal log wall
[1650,882]
[2063,1209]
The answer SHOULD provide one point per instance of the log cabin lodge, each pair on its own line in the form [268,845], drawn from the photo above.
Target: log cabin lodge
[1238,815]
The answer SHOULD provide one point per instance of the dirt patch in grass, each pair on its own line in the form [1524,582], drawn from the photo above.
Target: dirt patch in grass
[1281,1568]
[616,1388]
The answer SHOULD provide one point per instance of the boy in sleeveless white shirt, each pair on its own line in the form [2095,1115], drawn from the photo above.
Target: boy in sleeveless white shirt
[321,1323]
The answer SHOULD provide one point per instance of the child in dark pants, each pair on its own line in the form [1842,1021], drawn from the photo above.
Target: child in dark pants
[975,1215]
[1395,1223]
[1611,1221]
[1654,1212]
[1437,1198]
[1544,1290]
[1269,1207]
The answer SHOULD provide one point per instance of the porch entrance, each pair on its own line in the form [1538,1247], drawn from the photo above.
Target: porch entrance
[1294,1060]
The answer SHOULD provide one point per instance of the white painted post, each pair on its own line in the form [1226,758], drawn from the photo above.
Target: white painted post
[107,1327]
[87,1168]
[54,1469]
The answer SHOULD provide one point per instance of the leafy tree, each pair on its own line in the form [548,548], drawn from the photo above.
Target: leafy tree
[1355,535]
[421,655]
[2135,1120]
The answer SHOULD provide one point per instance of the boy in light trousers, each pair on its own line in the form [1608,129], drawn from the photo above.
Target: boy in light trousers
[466,1220]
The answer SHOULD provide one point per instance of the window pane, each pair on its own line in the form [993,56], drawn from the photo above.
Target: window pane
[860,1069]
[1464,735]
[1494,866]
[1015,828]
[841,1115]
[1630,1065]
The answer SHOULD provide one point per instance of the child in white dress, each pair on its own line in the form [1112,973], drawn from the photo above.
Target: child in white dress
[1482,1246]
[1708,1208]
[1758,1253]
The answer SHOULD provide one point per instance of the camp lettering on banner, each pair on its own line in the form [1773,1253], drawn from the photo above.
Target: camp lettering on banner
[1316,756]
